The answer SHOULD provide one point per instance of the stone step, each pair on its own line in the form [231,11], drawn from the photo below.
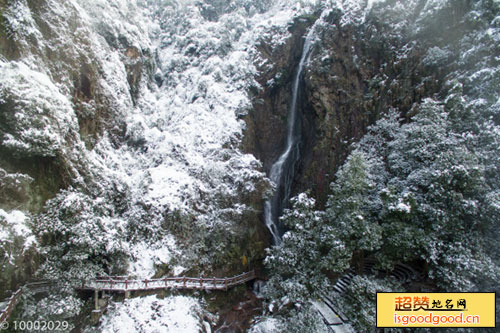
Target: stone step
[329,316]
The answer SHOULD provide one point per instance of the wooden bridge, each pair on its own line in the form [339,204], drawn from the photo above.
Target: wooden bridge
[126,285]
[11,304]
[122,284]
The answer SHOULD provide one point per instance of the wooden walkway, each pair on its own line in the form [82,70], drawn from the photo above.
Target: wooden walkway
[121,284]
[11,304]
[124,284]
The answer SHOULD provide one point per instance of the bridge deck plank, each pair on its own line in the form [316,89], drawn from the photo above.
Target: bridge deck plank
[122,284]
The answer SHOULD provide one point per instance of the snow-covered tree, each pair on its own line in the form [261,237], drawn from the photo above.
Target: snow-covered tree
[300,263]
[350,209]
[440,179]
[81,237]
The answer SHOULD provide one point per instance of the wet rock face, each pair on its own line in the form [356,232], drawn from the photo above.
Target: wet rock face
[331,100]
[335,87]
[267,121]
[356,73]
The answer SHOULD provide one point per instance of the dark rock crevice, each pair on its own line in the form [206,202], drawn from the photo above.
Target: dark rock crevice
[266,122]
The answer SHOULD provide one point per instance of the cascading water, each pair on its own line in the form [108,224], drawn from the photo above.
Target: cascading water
[283,169]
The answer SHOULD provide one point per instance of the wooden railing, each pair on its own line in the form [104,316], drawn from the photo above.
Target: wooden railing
[11,304]
[124,284]
[41,286]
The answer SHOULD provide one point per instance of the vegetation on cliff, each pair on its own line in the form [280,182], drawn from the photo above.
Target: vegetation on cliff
[421,186]
[135,137]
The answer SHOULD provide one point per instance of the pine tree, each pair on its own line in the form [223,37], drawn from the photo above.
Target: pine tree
[350,209]
[301,263]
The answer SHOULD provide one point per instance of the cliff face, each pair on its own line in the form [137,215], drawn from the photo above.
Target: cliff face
[266,122]
[63,88]
[362,65]
[392,58]
[56,95]
[366,60]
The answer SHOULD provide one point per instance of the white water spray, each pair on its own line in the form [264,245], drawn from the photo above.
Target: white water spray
[280,175]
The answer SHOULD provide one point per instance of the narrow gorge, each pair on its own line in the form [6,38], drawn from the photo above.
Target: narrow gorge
[322,147]
[283,170]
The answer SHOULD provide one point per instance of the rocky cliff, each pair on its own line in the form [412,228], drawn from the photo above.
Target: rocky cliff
[63,89]
[119,141]
[135,136]
[366,61]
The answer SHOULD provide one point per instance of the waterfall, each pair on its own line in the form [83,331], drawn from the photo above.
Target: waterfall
[283,169]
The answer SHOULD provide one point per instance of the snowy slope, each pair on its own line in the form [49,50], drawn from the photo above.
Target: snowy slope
[188,124]
[163,187]
[151,314]
[162,176]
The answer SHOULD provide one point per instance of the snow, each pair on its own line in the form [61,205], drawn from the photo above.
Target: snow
[15,219]
[166,183]
[16,237]
[150,314]
[43,116]
[268,325]
[16,226]
[186,123]
[433,6]
[145,256]
[20,22]
[402,207]
[371,3]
